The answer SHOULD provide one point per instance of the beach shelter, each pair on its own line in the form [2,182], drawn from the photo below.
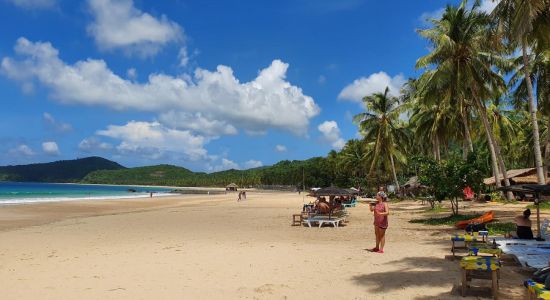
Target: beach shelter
[537,190]
[332,191]
[231,187]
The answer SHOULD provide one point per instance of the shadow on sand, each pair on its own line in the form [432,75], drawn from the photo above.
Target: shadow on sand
[421,272]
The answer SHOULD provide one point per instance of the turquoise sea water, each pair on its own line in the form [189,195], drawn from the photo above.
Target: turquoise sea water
[26,192]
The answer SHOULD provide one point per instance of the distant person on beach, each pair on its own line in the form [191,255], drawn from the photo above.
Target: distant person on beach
[239,198]
[523,224]
[381,212]
[244,195]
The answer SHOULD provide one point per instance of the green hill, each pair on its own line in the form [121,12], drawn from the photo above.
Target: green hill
[58,171]
[289,173]
[150,175]
[316,171]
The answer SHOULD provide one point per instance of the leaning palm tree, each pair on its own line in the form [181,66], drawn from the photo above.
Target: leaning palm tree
[380,125]
[523,23]
[462,59]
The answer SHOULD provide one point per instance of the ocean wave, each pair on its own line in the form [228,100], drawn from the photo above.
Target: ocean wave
[12,201]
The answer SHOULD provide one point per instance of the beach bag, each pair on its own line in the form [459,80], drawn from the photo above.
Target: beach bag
[541,275]
[475,227]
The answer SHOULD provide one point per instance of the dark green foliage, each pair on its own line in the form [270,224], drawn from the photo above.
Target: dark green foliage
[447,179]
[58,171]
[500,228]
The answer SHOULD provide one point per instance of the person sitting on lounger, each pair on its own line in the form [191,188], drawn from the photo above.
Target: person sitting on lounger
[322,206]
[523,224]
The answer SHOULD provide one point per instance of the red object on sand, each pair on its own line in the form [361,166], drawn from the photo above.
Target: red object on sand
[468,193]
[486,217]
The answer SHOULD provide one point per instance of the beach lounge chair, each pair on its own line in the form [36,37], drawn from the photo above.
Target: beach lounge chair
[334,221]
[353,203]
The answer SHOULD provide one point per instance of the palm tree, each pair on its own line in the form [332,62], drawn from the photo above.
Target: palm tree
[524,22]
[463,56]
[354,158]
[539,71]
[380,125]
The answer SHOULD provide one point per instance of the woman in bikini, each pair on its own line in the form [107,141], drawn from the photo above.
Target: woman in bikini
[381,212]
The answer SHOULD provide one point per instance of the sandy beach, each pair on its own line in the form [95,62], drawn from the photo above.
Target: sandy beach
[213,247]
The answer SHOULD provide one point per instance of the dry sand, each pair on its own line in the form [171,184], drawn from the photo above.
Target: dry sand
[213,247]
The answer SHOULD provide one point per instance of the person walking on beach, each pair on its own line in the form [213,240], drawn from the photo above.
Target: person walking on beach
[239,198]
[381,211]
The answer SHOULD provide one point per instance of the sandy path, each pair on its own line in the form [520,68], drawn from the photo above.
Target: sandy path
[211,247]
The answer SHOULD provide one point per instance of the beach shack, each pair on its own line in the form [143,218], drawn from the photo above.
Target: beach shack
[232,187]
[516,176]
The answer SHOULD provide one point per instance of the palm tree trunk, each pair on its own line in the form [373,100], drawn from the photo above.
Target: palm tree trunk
[394,173]
[494,164]
[533,112]
[467,136]
[437,149]
[376,146]
[492,142]
[546,149]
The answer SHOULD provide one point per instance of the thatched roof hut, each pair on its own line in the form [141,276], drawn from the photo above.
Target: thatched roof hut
[231,187]
[413,183]
[516,176]
[529,179]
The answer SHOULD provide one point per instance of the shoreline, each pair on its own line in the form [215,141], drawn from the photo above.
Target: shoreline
[21,215]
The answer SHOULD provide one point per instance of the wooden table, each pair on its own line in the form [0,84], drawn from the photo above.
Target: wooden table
[480,267]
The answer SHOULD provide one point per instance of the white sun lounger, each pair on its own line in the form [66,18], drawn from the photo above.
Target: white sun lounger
[322,220]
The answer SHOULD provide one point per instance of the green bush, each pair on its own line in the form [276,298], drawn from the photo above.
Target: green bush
[500,228]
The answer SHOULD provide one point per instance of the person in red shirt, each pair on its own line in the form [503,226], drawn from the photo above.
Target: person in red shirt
[381,211]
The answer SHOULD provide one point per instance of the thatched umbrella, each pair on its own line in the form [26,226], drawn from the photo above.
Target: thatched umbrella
[332,191]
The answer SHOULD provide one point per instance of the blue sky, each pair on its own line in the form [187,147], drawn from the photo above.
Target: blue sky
[208,85]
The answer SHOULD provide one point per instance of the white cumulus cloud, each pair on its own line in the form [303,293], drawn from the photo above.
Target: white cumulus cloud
[93,144]
[56,125]
[280,148]
[197,122]
[34,4]
[268,101]
[120,25]
[153,140]
[50,148]
[331,134]
[253,164]
[225,164]
[22,150]
[374,83]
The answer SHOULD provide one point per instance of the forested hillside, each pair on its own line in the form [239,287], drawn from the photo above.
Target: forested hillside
[58,171]
[314,172]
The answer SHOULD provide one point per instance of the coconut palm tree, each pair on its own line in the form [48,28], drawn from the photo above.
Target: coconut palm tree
[539,72]
[462,59]
[380,125]
[354,158]
[524,23]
